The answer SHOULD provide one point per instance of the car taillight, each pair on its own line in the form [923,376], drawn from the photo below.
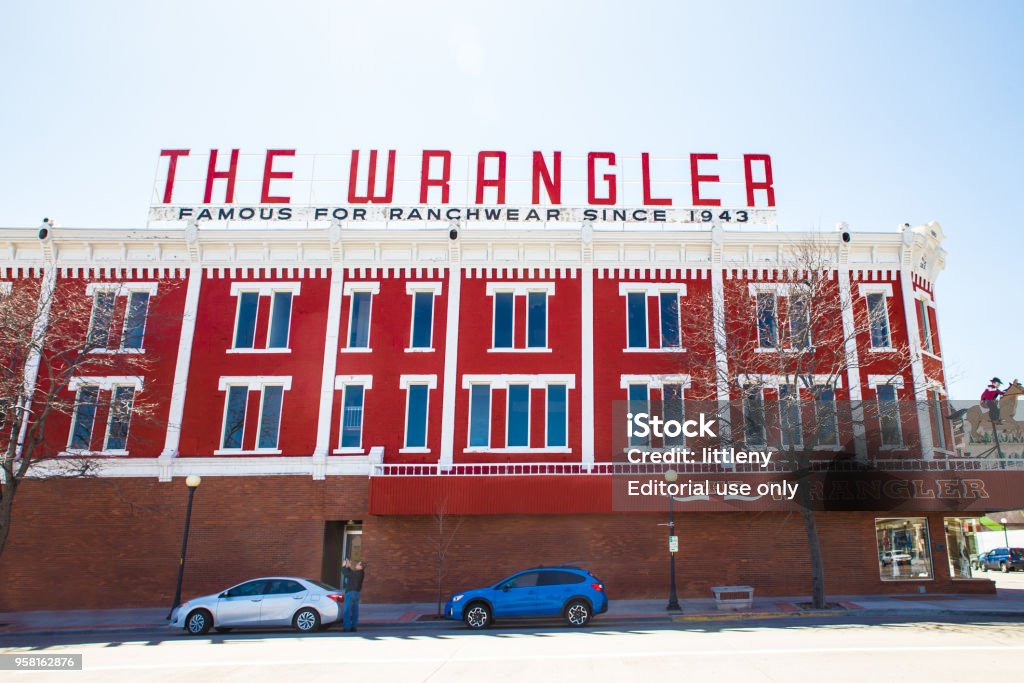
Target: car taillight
[337,597]
[598,587]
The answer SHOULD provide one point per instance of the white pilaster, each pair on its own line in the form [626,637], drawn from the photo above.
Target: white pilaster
[330,368]
[924,423]
[852,363]
[451,356]
[587,367]
[181,369]
[718,322]
[46,289]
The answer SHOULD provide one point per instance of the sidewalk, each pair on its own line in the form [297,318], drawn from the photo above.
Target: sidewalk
[420,615]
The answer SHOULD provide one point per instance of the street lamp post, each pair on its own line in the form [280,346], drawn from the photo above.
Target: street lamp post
[1006,539]
[192,481]
[673,599]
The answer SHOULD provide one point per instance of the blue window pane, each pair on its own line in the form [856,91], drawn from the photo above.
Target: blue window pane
[518,415]
[537,320]
[672,399]
[121,399]
[799,323]
[422,319]
[889,415]
[638,404]
[767,328]
[828,429]
[270,417]
[556,415]
[352,417]
[280,317]
[359,330]
[245,329]
[669,302]
[135,320]
[416,420]
[102,315]
[234,417]
[636,319]
[85,414]
[504,304]
[480,415]
[753,416]
[789,413]
[879,317]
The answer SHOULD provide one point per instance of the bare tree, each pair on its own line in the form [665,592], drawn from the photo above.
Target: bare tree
[795,337]
[53,341]
[445,529]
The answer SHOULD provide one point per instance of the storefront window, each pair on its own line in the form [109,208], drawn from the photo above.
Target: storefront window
[959,542]
[904,549]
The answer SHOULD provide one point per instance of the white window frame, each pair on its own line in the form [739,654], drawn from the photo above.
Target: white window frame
[928,334]
[404,383]
[103,384]
[341,383]
[348,289]
[508,414]
[252,383]
[469,427]
[259,422]
[498,382]
[262,289]
[520,290]
[885,289]
[412,289]
[652,290]
[110,420]
[834,386]
[547,414]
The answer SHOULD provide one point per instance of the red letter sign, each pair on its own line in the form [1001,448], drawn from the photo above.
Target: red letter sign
[482,182]
[371,195]
[751,184]
[696,179]
[269,174]
[212,174]
[648,199]
[607,177]
[552,179]
[172,168]
[426,182]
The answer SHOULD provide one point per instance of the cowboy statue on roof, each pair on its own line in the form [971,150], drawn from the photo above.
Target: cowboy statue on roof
[990,399]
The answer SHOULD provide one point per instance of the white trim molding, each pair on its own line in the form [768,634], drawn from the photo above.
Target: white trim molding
[265,288]
[105,383]
[342,381]
[255,383]
[414,287]
[776,381]
[654,381]
[360,286]
[520,288]
[406,380]
[652,288]
[875,380]
[121,288]
[865,288]
[503,381]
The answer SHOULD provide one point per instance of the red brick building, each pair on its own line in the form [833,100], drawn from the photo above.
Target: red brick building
[342,391]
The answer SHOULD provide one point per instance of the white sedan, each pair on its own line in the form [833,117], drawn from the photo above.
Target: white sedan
[303,604]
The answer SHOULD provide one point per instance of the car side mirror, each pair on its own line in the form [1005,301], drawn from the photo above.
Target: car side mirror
[505,588]
[223,595]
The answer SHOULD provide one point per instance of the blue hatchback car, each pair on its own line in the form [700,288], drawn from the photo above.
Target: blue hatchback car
[571,593]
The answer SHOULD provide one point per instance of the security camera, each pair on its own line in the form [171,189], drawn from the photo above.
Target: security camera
[453,234]
[846,237]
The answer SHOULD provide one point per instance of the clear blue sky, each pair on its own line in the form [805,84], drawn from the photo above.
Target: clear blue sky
[875,113]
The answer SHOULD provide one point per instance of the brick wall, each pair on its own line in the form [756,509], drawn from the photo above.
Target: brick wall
[114,543]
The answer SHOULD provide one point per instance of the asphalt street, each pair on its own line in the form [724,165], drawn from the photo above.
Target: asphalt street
[796,649]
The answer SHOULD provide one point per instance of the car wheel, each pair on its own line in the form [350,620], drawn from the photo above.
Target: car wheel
[306,620]
[1003,568]
[477,616]
[198,622]
[577,613]
[221,629]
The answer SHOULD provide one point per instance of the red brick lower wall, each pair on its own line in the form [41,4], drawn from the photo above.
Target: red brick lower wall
[114,543]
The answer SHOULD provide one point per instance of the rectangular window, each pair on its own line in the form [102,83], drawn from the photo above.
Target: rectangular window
[135,320]
[636,320]
[767,325]
[938,424]
[359,321]
[121,400]
[638,403]
[480,416]
[280,320]
[672,405]
[416,416]
[799,323]
[557,416]
[245,324]
[504,306]
[926,326]
[536,320]
[234,416]
[669,314]
[422,320]
[102,317]
[825,414]
[85,415]
[888,415]
[878,316]
[518,415]
[753,416]
[352,415]
[904,549]
[789,416]
[270,415]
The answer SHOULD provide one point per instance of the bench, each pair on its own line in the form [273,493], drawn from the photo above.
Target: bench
[733,597]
